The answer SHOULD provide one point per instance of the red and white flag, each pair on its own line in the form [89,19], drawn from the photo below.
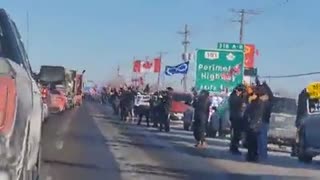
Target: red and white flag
[233,71]
[147,66]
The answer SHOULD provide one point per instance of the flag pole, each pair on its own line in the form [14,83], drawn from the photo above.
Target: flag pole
[161,53]
[159,73]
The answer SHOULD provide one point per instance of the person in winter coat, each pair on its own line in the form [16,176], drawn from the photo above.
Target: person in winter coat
[115,101]
[144,110]
[302,107]
[254,115]
[201,115]
[127,104]
[164,109]
[154,101]
[236,103]
[263,136]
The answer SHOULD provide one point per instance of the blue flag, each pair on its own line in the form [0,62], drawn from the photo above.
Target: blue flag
[178,69]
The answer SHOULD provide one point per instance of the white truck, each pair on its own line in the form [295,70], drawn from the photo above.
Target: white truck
[21,111]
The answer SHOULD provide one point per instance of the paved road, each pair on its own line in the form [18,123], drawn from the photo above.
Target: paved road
[88,143]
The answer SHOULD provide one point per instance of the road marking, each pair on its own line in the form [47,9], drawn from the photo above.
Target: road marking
[49,178]
[62,131]
[59,144]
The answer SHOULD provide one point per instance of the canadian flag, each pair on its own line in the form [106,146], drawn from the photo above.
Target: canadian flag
[147,66]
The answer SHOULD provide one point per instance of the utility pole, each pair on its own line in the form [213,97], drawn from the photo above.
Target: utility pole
[159,74]
[118,71]
[185,44]
[243,13]
[145,74]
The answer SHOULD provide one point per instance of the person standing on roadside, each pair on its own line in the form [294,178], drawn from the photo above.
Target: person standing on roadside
[164,109]
[154,109]
[254,116]
[263,136]
[236,103]
[201,115]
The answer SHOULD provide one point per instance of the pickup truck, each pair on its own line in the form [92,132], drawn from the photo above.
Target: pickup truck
[21,111]
[52,80]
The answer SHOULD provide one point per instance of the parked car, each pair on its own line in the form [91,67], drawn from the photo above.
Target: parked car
[178,106]
[21,112]
[219,121]
[188,117]
[282,130]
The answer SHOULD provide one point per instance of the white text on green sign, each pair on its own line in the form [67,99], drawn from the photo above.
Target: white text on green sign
[214,67]
[230,46]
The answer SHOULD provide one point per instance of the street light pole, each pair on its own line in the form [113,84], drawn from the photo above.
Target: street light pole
[185,44]
[159,74]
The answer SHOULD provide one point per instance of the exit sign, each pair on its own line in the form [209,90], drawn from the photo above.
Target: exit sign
[230,46]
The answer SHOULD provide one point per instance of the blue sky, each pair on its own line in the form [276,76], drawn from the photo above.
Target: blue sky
[98,35]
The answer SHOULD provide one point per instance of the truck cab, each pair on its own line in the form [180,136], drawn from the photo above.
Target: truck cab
[52,80]
[308,123]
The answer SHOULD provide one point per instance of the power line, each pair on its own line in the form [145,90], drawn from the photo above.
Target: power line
[185,43]
[241,20]
[291,75]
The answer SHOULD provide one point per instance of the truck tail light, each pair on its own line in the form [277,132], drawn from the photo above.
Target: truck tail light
[7,103]
[44,92]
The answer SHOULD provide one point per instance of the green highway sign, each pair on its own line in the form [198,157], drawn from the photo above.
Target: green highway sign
[230,46]
[217,70]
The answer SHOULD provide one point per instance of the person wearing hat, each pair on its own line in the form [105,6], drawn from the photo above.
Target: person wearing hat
[236,103]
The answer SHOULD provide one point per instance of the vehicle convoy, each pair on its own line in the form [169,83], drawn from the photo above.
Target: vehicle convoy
[307,143]
[20,108]
[61,88]
[52,80]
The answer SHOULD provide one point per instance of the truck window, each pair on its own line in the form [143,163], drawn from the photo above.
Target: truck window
[284,105]
[314,106]
[8,42]
[21,47]
[49,74]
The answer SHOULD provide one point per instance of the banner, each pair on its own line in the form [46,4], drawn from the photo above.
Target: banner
[218,70]
[249,53]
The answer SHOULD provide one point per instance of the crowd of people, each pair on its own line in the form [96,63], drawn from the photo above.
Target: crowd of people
[250,111]
[157,111]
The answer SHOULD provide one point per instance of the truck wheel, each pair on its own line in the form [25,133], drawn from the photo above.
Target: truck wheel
[34,173]
[305,158]
[294,150]
[302,155]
